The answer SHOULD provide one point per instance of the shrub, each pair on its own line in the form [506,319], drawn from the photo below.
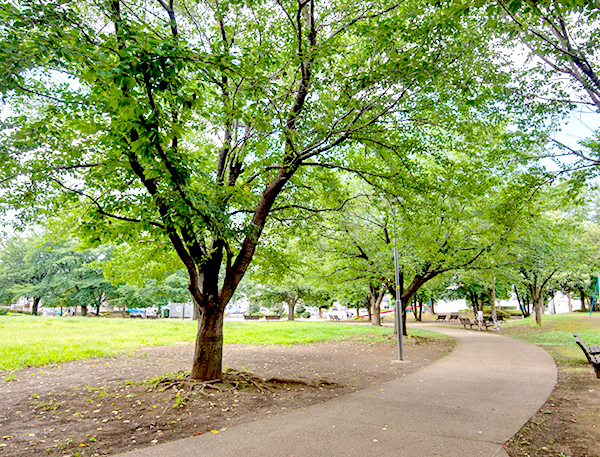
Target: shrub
[3,311]
[306,314]
[499,312]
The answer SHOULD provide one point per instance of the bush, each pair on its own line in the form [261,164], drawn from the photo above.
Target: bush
[499,312]
[513,312]
[306,314]
[3,311]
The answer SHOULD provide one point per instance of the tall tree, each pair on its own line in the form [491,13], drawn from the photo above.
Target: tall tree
[186,122]
[563,63]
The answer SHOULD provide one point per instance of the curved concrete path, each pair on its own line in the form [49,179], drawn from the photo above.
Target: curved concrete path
[467,404]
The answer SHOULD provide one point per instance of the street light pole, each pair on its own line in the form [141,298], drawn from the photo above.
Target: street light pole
[398,295]
[398,306]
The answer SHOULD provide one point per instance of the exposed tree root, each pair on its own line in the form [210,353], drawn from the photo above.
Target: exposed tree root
[234,380]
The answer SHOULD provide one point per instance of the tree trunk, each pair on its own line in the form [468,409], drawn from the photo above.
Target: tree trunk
[195,310]
[432,308]
[537,299]
[34,305]
[568,302]
[521,305]
[291,309]
[208,353]
[420,318]
[84,310]
[414,307]
[376,298]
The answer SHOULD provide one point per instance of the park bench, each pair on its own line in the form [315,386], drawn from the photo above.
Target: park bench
[591,352]
[272,318]
[441,317]
[453,317]
[251,318]
[473,322]
[334,317]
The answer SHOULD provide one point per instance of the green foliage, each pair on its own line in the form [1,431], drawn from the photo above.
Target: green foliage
[56,271]
[487,310]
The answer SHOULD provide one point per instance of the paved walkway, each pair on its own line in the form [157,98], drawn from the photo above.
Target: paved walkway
[467,404]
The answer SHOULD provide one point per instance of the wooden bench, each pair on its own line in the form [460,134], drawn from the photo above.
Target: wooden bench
[441,317]
[251,318]
[334,317]
[592,353]
[272,318]
[471,322]
[453,317]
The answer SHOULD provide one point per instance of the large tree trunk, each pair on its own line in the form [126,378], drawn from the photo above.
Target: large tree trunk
[208,353]
[83,310]
[34,305]
[420,318]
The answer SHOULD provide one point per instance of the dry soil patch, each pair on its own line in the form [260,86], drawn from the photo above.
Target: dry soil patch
[104,406]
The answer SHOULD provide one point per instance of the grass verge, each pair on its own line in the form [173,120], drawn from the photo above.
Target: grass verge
[556,329]
[36,341]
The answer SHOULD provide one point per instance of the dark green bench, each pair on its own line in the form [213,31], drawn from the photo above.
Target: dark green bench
[592,353]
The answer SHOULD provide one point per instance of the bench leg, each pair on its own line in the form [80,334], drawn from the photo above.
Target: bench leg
[597,368]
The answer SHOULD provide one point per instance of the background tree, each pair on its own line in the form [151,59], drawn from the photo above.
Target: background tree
[563,65]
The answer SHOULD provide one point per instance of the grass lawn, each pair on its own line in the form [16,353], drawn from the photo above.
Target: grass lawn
[556,332]
[35,341]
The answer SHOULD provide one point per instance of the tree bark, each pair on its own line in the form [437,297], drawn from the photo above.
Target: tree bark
[291,310]
[420,318]
[376,298]
[84,310]
[569,301]
[208,353]
[537,303]
[521,306]
[582,298]
[34,305]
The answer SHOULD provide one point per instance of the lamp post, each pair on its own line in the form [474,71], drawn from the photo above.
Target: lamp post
[398,304]
[398,295]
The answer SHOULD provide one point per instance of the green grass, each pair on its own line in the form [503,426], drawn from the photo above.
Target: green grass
[35,341]
[556,329]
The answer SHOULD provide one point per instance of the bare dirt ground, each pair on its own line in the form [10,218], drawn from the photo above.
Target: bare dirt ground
[568,425]
[105,406]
